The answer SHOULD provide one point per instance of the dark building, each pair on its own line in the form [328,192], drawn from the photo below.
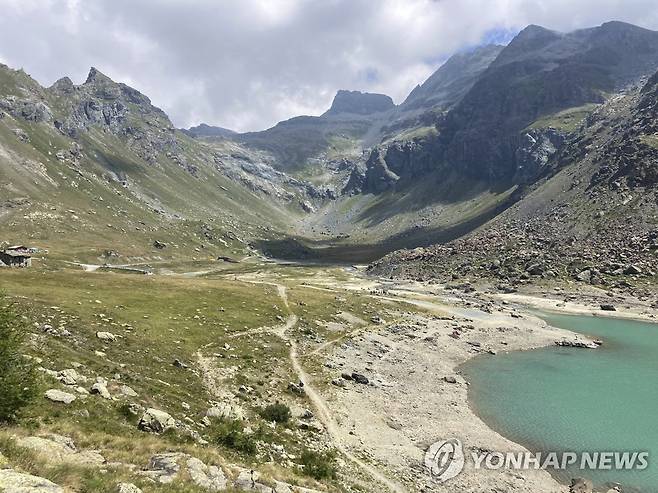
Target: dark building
[16,256]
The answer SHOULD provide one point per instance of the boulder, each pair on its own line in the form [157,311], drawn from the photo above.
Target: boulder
[57,449]
[164,468]
[580,485]
[608,308]
[156,421]
[59,396]
[69,377]
[209,478]
[362,379]
[127,488]
[15,482]
[106,336]
[101,389]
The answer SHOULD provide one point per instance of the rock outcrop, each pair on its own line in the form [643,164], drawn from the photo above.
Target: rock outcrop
[360,103]
[15,482]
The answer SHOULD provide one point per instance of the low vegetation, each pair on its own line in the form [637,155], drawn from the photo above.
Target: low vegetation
[17,374]
[278,412]
[319,465]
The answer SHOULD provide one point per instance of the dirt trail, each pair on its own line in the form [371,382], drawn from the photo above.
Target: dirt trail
[323,413]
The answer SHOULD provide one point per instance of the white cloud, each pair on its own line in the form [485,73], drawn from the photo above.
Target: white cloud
[246,64]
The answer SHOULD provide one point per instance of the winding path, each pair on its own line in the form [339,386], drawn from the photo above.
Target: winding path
[323,413]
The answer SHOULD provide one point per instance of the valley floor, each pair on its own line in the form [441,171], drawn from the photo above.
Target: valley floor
[369,369]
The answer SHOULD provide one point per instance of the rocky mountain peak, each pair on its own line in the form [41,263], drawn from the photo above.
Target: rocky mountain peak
[96,76]
[360,103]
[205,130]
[532,39]
[63,86]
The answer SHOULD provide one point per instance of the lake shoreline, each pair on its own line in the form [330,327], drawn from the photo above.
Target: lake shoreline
[411,403]
[637,312]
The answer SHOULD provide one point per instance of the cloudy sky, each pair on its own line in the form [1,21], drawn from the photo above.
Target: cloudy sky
[246,64]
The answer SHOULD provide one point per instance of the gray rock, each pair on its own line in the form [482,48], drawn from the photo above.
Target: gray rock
[101,389]
[15,482]
[580,485]
[155,421]
[127,488]
[127,391]
[164,468]
[57,449]
[106,336]
[59,396]
[210,478]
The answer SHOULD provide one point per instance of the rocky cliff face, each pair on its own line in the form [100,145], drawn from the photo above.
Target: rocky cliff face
[120,110]
[486,135]
[539,73]
[591,219]
[398,164]
[630,159]
[360,103]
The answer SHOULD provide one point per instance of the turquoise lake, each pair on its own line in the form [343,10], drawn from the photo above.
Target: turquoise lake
[558,399]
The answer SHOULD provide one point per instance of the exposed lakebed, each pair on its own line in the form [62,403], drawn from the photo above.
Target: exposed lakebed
[565,399]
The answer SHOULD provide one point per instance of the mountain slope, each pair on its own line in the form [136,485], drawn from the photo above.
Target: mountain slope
[452,80]
[540,74]
[592,218]
[93,168]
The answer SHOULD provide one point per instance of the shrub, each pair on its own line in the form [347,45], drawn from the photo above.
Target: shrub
[17,374]
[230,434]
[319,465]
[276,412]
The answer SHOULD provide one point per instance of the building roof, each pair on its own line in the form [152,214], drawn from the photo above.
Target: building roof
[16,253]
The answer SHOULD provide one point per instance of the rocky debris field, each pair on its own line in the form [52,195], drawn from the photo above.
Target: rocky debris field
[591,220]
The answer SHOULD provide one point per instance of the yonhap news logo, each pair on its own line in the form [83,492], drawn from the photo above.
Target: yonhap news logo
[446,459]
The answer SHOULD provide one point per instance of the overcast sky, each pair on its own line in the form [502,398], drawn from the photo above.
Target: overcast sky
[246,64]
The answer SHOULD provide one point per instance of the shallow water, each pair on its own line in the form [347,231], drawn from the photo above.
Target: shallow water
[577,399]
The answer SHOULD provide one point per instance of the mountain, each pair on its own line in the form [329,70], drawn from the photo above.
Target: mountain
[91,168]
[359,103]
[452,80]
[591,218]
[363,179]
[204,130]
[541,72]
